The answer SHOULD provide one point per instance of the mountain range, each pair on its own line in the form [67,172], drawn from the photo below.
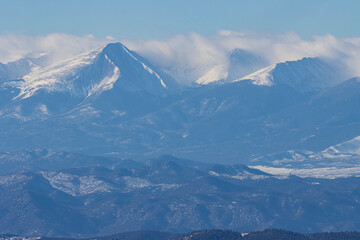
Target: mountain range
[113,102]
[106,142]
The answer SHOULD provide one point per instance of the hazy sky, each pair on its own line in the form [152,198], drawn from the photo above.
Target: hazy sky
[158,19]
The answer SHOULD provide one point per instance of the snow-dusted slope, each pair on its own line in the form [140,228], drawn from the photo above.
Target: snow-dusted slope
[346,148]
[342,155]
[340,160]
[94,72]
[261,77]
[239,64]
[56,77]
[215,74]
[307,74]
[236,172]
[76,185]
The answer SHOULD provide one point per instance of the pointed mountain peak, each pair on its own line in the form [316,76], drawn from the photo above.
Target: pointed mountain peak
[93,72]
[120,54]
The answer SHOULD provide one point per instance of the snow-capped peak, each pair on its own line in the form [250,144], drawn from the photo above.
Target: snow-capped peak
[92,73]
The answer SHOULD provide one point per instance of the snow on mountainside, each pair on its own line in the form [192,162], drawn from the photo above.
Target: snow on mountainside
[94,72]
[240,63]
[307,74]
[54,77]
[324,172]
[349,147]
[340,160]
[111,101]
[215,74]
[76,185]
[261,77]
[236,172]
[109,80]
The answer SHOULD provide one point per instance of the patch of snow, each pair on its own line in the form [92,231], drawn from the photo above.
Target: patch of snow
[261,77]
[89,184]
[326,172]
[135,183]
[239,175]
[348,147]
[164,186]
[215,74]
[18,238]
[9,180]
[75,185]
[214,173]
[185,135]
[108,82]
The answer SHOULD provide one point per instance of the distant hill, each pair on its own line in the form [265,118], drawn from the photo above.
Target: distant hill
[164,194]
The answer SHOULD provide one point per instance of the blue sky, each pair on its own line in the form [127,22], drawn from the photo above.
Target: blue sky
[158,19]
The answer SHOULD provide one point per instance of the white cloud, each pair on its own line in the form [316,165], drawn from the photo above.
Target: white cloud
[189,57]
[186,57]
[58,46]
